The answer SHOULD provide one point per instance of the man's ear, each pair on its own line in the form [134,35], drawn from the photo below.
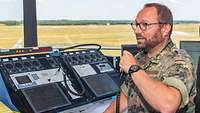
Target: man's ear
[165,30]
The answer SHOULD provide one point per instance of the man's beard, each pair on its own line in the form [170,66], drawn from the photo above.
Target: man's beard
[149,43]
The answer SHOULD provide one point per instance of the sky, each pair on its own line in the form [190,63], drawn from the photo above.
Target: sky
[96,9]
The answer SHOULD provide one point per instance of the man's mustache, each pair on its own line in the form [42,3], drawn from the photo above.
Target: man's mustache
[139,37]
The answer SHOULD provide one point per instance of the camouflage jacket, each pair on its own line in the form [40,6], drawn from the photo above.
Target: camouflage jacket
[172,67]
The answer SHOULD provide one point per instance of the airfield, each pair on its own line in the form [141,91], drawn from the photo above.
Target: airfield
[109,36]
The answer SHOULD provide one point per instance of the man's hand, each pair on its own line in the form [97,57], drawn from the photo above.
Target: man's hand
[126,61]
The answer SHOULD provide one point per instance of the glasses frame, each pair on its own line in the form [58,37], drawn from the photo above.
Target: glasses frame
[145,25]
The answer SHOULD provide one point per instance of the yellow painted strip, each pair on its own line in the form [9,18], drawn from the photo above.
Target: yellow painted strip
[4,108]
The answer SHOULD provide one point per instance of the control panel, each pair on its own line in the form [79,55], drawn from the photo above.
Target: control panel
[57,81]
[88,62]
[29,71]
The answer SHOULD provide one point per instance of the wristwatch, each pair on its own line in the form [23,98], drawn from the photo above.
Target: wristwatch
[133,69]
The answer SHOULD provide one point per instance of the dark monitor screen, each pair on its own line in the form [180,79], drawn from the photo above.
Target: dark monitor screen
[192,48]
[23,79]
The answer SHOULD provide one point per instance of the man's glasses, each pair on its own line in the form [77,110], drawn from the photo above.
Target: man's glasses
[143,26]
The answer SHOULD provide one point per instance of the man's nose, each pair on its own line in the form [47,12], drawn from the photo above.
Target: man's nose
[137,29]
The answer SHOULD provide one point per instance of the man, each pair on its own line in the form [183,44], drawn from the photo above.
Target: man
[161,77]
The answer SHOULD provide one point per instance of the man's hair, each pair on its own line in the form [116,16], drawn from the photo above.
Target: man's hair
[164,13]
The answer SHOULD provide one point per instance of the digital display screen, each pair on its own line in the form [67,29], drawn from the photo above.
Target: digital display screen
[23,79]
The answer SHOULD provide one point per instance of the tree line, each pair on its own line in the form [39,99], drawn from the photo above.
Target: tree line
[83,22]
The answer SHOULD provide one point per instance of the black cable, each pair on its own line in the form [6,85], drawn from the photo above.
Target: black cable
[118,93]
[79,82]
[66,85]
[118,102]
[81,45]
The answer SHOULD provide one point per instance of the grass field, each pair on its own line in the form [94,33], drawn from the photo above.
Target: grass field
[107,36]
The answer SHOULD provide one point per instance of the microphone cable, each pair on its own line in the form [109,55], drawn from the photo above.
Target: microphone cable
[121,80]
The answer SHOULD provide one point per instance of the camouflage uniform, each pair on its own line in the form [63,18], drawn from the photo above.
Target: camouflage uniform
[172,67]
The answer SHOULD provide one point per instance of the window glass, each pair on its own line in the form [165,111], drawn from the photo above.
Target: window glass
[63,23]
[11,28]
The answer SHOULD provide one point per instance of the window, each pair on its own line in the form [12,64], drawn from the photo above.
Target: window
[70,22]
[64,23]
[11,28]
